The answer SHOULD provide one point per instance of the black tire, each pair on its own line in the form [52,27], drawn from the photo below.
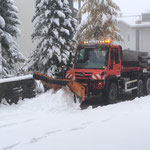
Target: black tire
[112,93]
[140,89]
[147,86]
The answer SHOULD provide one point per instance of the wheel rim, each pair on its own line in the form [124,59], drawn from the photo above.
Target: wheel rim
[112,93]
[140,88]
[148,86]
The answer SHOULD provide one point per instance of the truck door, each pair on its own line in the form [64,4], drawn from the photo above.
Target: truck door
[115,62]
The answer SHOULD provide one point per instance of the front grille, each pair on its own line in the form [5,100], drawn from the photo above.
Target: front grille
[82,80]
[83,75]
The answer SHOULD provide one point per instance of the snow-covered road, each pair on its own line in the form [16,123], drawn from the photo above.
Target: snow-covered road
[53,122]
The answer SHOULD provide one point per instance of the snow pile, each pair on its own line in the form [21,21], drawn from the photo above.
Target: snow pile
[51,101]
[53,121]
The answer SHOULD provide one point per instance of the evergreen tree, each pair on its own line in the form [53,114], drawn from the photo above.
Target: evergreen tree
[54,29]
[101,22]
[2,25]
[10,49]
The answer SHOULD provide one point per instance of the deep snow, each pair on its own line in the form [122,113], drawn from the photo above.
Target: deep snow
[52,121]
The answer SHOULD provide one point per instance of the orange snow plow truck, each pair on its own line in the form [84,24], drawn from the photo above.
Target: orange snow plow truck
[101,68]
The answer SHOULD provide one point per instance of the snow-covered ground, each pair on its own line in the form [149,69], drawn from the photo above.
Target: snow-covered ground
[53,122]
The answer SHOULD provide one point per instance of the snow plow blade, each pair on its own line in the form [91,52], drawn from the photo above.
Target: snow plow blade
[52,83]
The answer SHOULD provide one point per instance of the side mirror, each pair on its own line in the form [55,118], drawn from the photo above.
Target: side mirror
[63,71]
[117,61]
[111,65]
[63,67]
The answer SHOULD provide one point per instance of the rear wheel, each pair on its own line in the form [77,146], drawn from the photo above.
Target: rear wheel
[112,93]
[140,89]
[147,87]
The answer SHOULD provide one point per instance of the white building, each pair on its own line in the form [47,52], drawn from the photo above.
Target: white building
[135,31]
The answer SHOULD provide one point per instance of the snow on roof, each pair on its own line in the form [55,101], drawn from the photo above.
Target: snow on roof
[16,79]
[132,21]
[142,25]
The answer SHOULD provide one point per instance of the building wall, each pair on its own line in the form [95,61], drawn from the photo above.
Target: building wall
[129,36]
[145,39]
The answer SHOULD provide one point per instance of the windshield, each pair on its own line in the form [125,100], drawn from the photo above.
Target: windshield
[91,58]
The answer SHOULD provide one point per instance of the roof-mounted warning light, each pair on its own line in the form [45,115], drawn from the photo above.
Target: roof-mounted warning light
[86,42]
[105,41]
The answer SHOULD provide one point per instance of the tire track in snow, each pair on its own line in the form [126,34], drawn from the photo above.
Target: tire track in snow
[37,139]
[11,146]
[16,123]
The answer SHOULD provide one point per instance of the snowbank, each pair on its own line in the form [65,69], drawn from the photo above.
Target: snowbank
[53,121]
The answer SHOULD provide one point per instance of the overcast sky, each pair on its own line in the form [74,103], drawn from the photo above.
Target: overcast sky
[133,7]
[26,11]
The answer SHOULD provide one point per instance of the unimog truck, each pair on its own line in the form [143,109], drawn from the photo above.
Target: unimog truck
[102,68]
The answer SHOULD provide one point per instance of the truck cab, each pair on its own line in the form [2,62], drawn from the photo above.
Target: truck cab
[94,65]
[104,69]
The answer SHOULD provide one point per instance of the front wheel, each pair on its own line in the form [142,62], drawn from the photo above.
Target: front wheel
[140,89]
[112,93]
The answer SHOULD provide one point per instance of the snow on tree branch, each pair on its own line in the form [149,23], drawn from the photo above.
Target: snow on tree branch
[55,29]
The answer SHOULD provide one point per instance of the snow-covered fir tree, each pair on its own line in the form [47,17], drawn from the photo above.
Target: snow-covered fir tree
[54,28]
[101,21]
[9,30]
[2,25]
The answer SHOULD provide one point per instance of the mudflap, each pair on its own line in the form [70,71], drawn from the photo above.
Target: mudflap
[56,84]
